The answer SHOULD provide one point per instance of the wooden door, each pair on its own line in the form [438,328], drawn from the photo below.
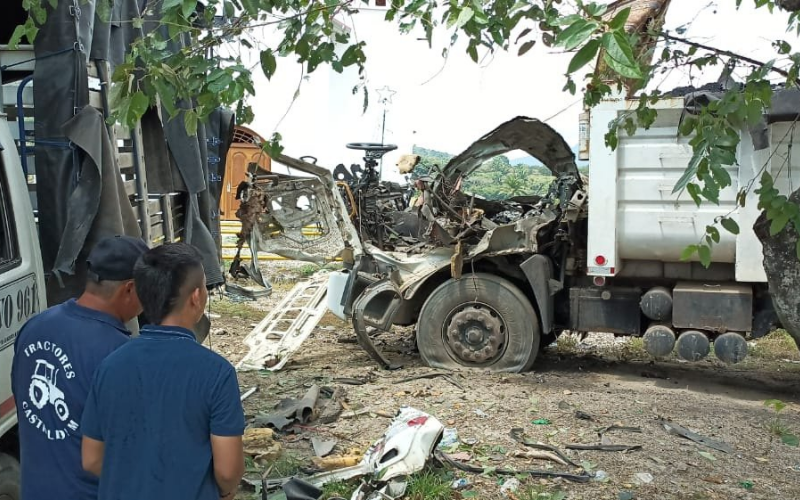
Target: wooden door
[239,157]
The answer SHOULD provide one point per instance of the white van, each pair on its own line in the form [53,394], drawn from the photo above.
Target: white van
[22,293]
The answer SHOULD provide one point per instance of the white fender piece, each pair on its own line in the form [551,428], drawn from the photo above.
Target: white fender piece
[406,446]
[404,449]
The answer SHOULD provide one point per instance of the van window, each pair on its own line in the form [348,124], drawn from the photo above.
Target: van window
[9,250]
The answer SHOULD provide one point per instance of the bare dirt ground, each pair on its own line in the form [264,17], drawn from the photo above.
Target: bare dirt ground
[611,380]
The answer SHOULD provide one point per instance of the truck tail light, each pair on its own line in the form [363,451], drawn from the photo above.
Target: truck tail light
[600,260]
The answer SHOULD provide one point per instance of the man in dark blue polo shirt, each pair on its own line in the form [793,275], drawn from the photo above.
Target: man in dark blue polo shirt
[164,418]
[55,357]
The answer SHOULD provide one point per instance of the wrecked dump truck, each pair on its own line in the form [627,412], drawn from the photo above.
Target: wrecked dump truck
[490,283]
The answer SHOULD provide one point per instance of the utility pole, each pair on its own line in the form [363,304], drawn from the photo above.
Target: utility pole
[384,97]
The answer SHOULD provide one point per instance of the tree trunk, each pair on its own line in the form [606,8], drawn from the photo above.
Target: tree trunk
[782,266]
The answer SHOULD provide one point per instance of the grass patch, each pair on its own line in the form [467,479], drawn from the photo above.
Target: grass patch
[308,270]
[775,346]
[540,492]
[338,489]
[286,465]
[430,484]
[633,349]
[280,275]
[567,343]
[229,309]
[776,427]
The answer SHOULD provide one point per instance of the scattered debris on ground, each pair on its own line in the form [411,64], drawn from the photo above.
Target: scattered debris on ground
[700,431]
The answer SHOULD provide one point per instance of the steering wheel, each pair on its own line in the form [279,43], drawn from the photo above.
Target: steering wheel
[372,147]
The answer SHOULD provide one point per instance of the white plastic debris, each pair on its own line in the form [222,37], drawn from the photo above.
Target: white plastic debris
[643,478]
[449,438]
[404,449]
[601,476]
[509,486]
[460,484]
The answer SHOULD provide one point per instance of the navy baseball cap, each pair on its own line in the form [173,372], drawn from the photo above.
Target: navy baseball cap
[113,258]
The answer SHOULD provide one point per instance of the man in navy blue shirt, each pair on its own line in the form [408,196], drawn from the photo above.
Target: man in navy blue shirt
[55,357]
[164,418]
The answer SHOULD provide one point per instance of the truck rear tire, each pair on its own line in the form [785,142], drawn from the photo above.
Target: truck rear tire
[9,477]
[480,321]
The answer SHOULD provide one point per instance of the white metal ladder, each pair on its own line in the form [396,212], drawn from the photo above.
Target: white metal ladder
[287,326]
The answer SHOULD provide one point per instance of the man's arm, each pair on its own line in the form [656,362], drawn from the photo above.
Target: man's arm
[227,427]
[228,453]
[92,445]
[92,455]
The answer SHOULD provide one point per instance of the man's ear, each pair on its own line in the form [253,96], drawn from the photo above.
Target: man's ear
[195,298]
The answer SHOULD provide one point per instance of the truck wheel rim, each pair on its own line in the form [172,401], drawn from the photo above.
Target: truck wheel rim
[475,334]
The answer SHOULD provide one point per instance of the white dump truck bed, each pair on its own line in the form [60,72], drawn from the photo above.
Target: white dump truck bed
[633,214]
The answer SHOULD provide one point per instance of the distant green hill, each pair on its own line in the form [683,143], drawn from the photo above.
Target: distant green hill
[442,158]
[497,179]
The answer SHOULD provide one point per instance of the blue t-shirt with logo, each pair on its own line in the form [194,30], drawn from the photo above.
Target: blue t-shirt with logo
[154,403]
[55,356]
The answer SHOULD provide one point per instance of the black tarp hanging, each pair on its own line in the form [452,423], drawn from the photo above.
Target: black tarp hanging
[183,163]
[68,178]
[219,137]
[78,182]
[176,161]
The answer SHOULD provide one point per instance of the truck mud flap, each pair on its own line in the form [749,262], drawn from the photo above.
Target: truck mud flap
[374,309]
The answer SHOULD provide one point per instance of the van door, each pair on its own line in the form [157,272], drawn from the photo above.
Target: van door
[21,277]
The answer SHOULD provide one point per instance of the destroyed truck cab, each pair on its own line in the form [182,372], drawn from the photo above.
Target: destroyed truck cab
[477,277]
[490,283]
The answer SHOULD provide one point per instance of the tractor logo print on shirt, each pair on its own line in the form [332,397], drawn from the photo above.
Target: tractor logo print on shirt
[44,389]
[46,406]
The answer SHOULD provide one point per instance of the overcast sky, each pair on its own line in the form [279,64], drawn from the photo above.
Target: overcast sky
[446,105]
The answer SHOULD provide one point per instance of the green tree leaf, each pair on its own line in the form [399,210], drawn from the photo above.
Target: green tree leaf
[704,252]
[577,33]
[167,97]
[584,56]
[138,105]
[16,36]
[688,252]
[713,232]
[526,47]
[596,10]
[730,225]
[694,191]
[623,70]
[619,55]
[464,16]
[349,57]
[188,7]
[778,223]
[268,63]
[190,118]
[620,19]
[689,174]
[472,50]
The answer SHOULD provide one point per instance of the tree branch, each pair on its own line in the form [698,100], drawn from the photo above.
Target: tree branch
[727,53]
